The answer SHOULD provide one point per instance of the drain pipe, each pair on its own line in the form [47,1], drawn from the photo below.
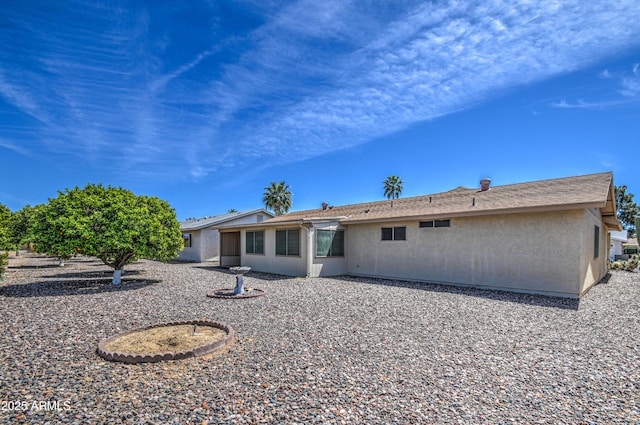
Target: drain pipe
[310,231]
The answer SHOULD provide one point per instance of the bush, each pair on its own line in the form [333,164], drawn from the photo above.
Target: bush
[4,262]
[629,265]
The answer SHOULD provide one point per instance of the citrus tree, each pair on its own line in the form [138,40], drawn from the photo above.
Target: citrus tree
[20,225]
[109,223]
[5,217]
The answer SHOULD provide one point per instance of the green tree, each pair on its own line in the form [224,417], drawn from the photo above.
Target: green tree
[109,223]
[5,217]
[20,226]
[627,209]
[278,197]
[393,187]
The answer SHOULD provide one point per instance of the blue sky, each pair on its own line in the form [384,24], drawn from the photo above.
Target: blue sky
[204,103]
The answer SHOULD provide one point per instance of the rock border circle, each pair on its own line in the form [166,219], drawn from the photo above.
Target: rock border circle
[132,358]
[227,293]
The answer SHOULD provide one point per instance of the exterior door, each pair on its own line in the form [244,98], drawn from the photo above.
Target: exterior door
[230,249]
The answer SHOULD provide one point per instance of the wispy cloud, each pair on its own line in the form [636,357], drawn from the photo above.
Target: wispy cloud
[626,93]
[172,92]
[4,144]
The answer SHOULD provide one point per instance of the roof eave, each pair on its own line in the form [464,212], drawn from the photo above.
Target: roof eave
[472,213]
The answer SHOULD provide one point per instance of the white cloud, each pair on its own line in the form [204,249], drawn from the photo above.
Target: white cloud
[312,78]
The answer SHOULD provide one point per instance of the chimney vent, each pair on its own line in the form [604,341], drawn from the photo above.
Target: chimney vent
[485,184]
[325,205]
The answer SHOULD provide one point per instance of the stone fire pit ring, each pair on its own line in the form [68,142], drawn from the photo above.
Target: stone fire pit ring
[198,351]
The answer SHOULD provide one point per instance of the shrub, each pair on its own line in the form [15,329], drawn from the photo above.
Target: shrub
[4,261]
[630,265]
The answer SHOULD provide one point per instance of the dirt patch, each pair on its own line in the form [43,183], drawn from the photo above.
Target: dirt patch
[174,338]
[167,341]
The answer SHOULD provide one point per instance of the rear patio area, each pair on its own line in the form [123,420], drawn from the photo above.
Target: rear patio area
[321,350]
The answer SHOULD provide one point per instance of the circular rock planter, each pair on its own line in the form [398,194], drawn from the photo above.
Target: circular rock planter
[230,294]
[166,341]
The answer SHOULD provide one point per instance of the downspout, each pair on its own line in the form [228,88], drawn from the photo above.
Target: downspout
[310,231]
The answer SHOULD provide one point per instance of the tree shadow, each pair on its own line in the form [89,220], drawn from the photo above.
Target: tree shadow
[253,275]
[92,274]
[36,267]
[73,287]
[491,294]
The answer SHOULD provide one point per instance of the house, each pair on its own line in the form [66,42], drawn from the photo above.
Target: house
[201,237]
[544,237]
[617,239]
[631,247]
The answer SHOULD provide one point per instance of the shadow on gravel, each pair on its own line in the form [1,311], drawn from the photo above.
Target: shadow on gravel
[89,275]
[72,287]
[34,267]
[513,297]
[251,275]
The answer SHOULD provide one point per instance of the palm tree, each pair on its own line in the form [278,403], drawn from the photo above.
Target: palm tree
[277,197]
[393,187]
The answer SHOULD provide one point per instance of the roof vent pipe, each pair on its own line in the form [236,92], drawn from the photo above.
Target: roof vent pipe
[325,205]
[485,184]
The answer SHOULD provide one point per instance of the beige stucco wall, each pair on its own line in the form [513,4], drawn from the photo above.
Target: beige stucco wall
[192,253]
[538,253]
[269,262]
[205,243]
[592,269]
[327,266]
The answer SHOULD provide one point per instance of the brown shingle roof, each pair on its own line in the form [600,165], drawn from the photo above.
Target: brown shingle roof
[588,191]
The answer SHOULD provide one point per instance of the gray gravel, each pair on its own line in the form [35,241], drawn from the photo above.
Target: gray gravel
[343,350]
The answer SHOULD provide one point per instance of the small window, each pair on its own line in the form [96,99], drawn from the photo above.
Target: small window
[288,242]
[329,243]
[596,242]
[394,233]
[254,242]
[435,223]
[186,238]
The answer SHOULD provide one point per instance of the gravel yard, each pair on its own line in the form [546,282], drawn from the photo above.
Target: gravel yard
[343,350]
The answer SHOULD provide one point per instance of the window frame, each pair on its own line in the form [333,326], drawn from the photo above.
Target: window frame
[434,224]
[596,242]
[332,248]
[394,236]
[287,241]
[253,244]
[186,240]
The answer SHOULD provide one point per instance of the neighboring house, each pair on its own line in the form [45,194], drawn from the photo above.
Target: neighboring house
[201,237]
[617,239]
[631,247]
[546,237]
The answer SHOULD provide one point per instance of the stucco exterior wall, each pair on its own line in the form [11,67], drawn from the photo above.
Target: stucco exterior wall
[209,245]
[269,262]
[192,253]
[204,246]
[205,243]
[538,253]
[592,268]
[326,266]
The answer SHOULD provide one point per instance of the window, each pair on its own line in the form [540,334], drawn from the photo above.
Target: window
[330,243]
[596,243]
[394,233]
[255,242]
[186,238]
[288,242]
[436,223]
